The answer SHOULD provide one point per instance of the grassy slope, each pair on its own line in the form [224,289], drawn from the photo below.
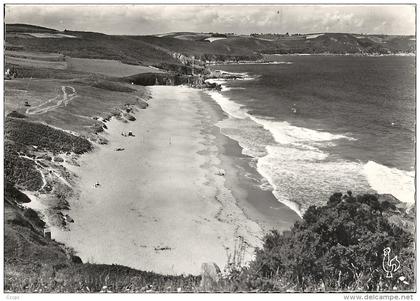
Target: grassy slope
[341,43]
[96,96]
[153,50]
[24,133]
[17,27]
[94,45]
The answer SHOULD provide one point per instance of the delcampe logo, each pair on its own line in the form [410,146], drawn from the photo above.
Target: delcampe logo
[390,265]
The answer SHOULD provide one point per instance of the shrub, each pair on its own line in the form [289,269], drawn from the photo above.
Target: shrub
[20,171]
[337,247]
[26,133]
[15,114]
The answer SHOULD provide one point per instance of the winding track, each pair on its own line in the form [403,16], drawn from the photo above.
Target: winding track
[54,103]
[40,168]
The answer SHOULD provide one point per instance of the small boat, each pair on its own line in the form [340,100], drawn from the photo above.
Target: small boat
[119,149]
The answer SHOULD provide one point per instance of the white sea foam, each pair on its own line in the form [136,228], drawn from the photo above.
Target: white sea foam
[232,108]
[248,134]
[284,133]
[220,82]
[397,182]
[294,167]
[287,157]
[301,178]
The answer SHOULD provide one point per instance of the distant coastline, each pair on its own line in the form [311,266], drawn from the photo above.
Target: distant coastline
[270,62]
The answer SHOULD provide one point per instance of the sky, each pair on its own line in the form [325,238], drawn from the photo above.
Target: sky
[243,19]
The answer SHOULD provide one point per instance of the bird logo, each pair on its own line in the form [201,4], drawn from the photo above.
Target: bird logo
[390,265]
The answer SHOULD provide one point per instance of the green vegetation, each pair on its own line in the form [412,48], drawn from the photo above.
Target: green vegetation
[112,86]
[15,114]
[25,133]
[31,72]
[337,247]
[93,45]
[150,79]
[20,171]
[111,68]
[22,137]
[161,51]
[10,192]
[27,28]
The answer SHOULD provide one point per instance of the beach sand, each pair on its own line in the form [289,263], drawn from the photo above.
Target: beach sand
[169,201]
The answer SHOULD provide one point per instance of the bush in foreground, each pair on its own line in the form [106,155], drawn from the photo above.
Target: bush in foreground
[337,247]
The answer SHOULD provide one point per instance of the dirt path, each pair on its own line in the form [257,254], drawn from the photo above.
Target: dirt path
[38,167]
[55,102]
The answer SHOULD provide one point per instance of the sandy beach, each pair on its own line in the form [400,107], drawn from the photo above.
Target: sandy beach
[166,202]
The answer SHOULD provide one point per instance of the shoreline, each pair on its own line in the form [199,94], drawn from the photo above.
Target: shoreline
[237,220]
[259,205]
[270,62]
[368,170]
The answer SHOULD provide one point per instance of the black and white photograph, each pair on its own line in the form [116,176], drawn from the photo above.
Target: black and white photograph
[177,148]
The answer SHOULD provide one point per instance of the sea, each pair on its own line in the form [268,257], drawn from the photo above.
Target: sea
[315,125]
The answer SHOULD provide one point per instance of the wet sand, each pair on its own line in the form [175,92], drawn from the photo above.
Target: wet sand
[168,201]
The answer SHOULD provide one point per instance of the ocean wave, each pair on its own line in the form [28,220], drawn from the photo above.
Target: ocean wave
[301,178]
[287,157]
[282,131]
[233,109]
[285,133]
[383,179]
[295,165]
[248,134]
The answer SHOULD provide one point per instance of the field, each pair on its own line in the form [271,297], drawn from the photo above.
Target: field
[36,63]
[51,35]
[111,68]
[75,109]
[35,55]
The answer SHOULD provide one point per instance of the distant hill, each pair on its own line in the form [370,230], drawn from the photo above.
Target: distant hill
[27,28]
[345,43]
[169,50]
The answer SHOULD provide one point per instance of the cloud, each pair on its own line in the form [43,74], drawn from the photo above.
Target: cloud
[149,19]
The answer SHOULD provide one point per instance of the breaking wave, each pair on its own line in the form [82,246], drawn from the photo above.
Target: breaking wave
[295,164]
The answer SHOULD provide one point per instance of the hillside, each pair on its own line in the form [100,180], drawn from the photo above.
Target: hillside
[156,50]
